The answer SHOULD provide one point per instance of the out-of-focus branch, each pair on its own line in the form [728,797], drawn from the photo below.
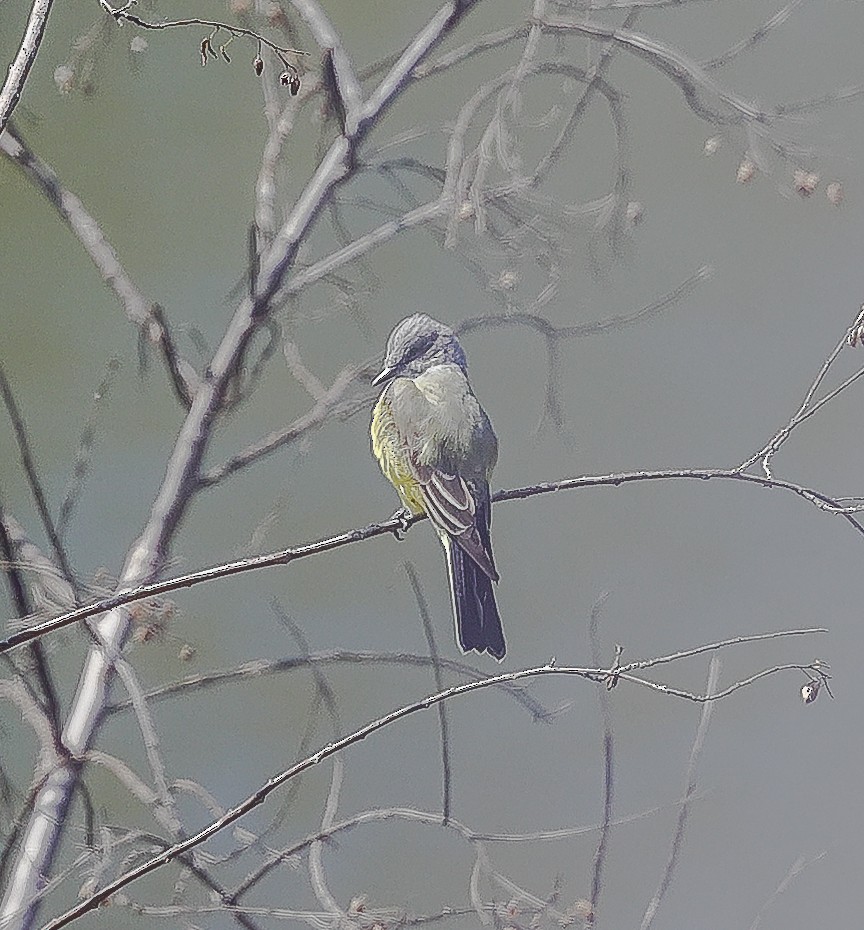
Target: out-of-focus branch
[140,311]
[337,746]
[691,77]
[443,722]
[149,552]
[336,401]
[13,86]
[340,81]
[258,667]
[689,792]
[755,37]
[48,702]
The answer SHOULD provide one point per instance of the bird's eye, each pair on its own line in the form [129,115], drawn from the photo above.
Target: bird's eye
[420,347]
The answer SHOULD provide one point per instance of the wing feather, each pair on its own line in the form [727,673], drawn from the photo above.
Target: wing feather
[447,498]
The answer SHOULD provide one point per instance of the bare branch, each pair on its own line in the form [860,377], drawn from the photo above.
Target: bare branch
[340,80]
[394,525]
[602,691]
[767,452]
[689,790]
[122,13]
[259,667]
[140,311]
[13,86]
[443,723]
[258,798]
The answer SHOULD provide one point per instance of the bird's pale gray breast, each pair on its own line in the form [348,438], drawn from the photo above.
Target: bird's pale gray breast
[450,431]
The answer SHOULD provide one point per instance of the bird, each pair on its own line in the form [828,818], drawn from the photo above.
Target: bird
[436,446]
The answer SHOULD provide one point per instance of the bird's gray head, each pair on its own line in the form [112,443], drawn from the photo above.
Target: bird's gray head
[417,343]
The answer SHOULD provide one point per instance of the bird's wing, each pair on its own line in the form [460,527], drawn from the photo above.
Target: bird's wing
[452,509]
[447,497]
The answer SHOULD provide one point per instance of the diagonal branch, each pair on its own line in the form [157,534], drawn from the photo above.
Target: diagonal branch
[259,796]
[140,311]
[11,91]
[147,555]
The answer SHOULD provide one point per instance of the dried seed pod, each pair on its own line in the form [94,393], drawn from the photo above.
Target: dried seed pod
[258,65]
[805,181]
[834,193]
[810,692]
[291,80]
[746,171]
[186,653]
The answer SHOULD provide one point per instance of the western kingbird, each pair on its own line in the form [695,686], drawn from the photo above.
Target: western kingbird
[436,446]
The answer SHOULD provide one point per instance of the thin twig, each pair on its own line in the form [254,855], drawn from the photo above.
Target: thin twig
[28,463]
[804,411]
[443,723]
[260,667]
[394,525]
[258,797]
[689,790]
[122,13]
[603,698]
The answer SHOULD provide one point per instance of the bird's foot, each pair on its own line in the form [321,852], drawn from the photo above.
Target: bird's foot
[403,520]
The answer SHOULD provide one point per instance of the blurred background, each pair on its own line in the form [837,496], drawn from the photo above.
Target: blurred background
[165,155]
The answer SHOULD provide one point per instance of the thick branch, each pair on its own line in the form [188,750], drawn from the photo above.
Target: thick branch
[147,555]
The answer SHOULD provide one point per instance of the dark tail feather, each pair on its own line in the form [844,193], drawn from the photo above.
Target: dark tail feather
[478,624]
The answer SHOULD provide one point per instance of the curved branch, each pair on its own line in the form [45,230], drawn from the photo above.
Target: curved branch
[395,524]
[261,795]
[147,555]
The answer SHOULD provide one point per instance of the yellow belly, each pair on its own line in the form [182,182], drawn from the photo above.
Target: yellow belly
[389,448]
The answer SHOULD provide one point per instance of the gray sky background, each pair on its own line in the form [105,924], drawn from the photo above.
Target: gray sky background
[165,155]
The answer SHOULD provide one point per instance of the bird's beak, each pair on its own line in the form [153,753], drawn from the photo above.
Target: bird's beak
[384,375]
